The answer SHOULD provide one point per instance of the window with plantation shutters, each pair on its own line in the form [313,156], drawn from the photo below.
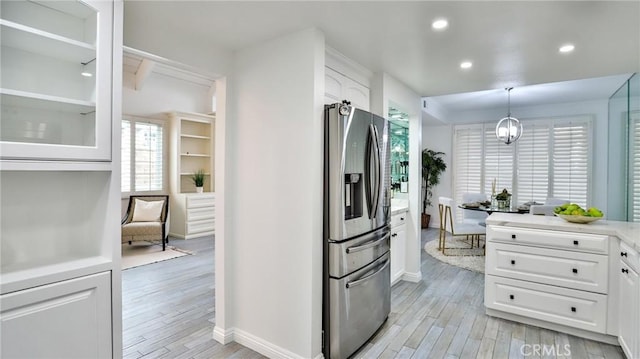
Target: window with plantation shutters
[551,159]
[467,160]
[634,166]
[571,161]
[533,162]
[498,162]
[142,155]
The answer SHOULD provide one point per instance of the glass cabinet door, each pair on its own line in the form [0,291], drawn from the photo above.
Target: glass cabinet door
[55,83]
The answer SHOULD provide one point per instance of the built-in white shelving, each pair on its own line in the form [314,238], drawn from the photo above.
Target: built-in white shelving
[192,214]
[41,42]
[60,202]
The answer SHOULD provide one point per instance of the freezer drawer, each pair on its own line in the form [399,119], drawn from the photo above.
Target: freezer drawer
[350,255]
[359,304]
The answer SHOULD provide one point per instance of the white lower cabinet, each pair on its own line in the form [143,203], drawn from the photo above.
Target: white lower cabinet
[549,276]
[68,319]
[629,302]
[193,215]
[398,246]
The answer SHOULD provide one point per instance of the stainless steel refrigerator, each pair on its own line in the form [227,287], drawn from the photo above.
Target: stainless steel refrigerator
[356,283]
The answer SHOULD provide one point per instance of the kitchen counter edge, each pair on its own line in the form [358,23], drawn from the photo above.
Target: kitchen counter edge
[628,232]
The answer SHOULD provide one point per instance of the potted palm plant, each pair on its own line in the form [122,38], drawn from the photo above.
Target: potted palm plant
[432,167]
[198,180]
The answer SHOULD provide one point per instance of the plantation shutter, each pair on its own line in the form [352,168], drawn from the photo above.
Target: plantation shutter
[571,161]
[634,168]
[533,163]
[148,157]
[498,162]
[125,152]
[467,160]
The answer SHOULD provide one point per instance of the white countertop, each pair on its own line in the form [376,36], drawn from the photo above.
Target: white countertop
[399,206]
[628,232]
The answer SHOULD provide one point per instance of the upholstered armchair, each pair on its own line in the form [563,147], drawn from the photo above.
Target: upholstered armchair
[146,219]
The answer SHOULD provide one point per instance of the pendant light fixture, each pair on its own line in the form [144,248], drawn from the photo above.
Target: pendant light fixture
[509,129]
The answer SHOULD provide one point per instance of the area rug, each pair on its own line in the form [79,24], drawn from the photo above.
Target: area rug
[142,253]
[458,254]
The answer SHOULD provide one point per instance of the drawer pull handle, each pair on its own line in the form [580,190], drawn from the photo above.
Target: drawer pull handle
[573,309]
[575,270]
[625,270]
[394,235]
[575,243]
[513,262]
[513,236]
[511,296]
[402,218]
[623,254]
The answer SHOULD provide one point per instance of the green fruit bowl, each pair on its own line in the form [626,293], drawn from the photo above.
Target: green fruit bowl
[577,218]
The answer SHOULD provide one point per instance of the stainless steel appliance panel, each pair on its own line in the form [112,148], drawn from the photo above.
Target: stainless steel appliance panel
[383,215]
[350,255]
[357,154]
[359,304]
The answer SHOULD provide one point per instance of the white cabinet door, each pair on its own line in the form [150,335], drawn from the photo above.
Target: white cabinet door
[339,87]
[398,252]
[69,319]
[56,88]
[628,311]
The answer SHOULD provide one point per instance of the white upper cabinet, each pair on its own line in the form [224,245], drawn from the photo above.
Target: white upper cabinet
[339,87]
[56,61]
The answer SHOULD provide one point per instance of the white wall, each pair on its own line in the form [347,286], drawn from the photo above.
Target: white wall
[161,36]
[442,138]
[161,94]
[439,138]
[273,214]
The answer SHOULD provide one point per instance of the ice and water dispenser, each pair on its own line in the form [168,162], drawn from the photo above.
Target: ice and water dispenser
[352,195]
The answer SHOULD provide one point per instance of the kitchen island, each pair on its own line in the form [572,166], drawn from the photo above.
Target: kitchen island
[581,279]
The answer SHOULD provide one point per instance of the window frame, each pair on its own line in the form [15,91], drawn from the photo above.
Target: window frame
[165,158]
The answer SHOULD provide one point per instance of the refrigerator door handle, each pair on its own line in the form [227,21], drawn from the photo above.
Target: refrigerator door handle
[363,280]
[373,189]
[370,244]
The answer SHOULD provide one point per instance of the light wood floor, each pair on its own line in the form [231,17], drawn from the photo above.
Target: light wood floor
[168,308]
[168,312]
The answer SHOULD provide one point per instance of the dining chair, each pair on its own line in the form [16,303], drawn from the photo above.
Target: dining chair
[471,216]
[547,208]
[448,224]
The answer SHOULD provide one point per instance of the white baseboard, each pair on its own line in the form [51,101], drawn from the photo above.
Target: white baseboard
[255,343]
[222,336]
[414,277]
[176,235]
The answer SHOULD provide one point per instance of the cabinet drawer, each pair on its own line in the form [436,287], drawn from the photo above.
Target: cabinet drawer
[398,219]
[630,256]
[68,319]
[543,238]
[574,308]
[576,270]
[204,200]
[201,226]
[199,214]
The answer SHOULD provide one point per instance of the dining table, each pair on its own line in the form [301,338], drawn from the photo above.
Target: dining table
[490,209]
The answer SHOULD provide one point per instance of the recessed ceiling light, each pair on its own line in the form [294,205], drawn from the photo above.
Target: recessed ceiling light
[440,24]
[466,65]
[566,48]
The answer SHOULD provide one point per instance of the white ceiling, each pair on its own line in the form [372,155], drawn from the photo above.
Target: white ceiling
[511,43]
